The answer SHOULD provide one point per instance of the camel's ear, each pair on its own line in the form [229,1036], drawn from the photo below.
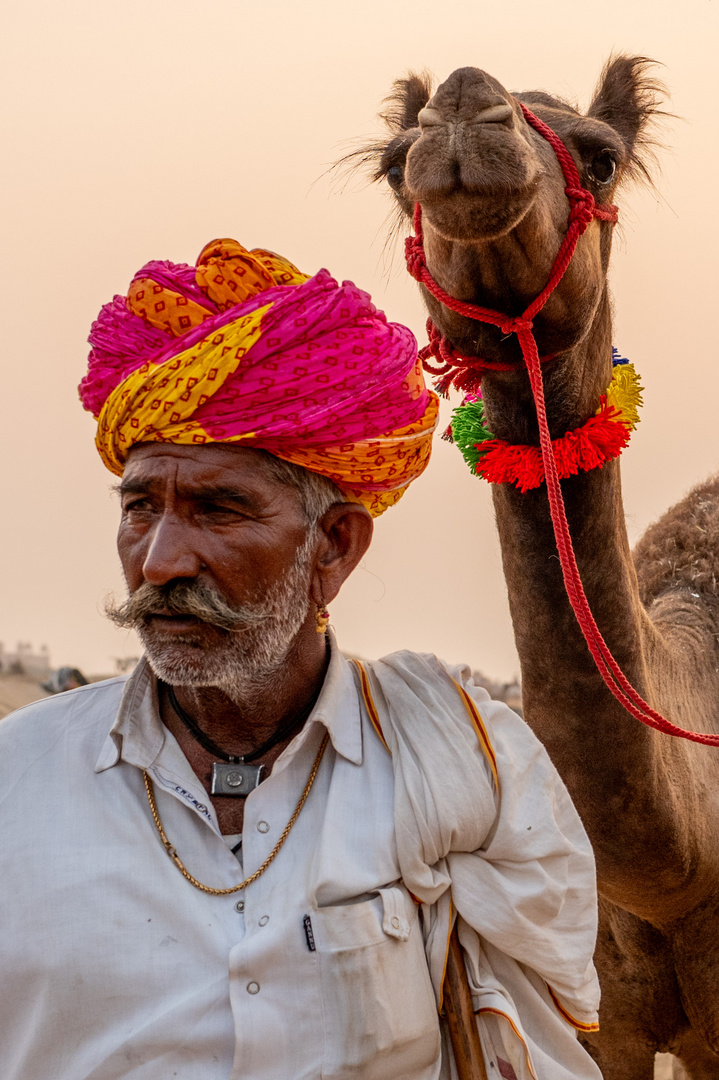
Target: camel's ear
[401,108]
[628,99]
[405,101]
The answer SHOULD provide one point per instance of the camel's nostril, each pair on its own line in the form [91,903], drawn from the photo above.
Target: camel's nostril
[428,117]
[495,114]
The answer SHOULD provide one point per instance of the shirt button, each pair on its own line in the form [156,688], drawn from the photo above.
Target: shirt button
[264,920]
[262,826]
[253,988]
[240,906]
[395,922]
[202,808]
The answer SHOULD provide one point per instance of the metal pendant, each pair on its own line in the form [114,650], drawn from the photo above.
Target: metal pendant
[234,778]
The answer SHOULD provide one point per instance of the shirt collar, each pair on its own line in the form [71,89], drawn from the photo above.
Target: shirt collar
[338,706]
[138,734]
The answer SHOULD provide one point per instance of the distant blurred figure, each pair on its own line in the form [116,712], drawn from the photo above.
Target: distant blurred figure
[65,678]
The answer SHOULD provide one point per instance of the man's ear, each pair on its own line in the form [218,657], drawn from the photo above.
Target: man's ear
[345,534]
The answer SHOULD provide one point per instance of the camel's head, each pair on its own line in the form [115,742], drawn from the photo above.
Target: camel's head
[493,197]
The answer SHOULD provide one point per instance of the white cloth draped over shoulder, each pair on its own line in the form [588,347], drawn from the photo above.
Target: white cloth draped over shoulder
[487,829]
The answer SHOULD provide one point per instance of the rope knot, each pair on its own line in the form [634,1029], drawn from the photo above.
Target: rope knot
[414,256]
[511,325]
[582,210]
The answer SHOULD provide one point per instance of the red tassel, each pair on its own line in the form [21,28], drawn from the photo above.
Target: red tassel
[503,463]
[602,438]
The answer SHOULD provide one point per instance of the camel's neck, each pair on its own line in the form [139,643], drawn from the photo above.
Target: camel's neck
[608,760]
[549,640]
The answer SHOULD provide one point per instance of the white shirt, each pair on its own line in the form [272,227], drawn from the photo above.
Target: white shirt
[114,966]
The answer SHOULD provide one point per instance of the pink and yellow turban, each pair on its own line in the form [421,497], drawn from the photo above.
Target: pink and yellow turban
[245,348]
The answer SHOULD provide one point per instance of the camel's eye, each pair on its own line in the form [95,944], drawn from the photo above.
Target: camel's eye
[395,177]
[603,167]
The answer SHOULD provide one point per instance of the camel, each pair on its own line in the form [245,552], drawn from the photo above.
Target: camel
[494,212]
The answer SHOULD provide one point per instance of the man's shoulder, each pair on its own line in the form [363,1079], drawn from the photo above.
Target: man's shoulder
[73,710]
[410,658]
[424,684]
[407,664]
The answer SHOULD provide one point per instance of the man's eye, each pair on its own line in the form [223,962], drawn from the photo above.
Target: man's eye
[215,509]
[137,506]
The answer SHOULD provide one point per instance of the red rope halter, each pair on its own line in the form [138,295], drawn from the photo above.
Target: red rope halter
[460,370]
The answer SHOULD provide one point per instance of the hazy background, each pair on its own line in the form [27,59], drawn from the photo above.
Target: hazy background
[142,130]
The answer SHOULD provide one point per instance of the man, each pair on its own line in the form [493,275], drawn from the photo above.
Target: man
[325,822]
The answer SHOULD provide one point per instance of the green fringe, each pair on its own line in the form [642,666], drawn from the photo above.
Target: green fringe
[469,431]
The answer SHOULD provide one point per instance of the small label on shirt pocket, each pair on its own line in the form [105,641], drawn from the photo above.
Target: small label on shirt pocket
[380,1016]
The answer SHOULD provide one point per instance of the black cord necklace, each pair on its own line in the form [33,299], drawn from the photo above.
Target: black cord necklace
[234,775]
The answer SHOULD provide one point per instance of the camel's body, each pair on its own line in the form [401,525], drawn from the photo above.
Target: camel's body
[494,212]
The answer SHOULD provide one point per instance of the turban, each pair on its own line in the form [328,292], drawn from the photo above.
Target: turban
[244,348]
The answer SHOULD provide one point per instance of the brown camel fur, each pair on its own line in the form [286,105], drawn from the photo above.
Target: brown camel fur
[494,213]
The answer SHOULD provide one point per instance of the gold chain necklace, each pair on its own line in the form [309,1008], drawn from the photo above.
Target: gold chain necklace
[253,877]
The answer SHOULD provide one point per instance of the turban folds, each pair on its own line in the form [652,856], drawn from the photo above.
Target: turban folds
[245,348]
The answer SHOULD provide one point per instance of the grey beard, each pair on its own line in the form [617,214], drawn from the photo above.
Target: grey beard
[253,641]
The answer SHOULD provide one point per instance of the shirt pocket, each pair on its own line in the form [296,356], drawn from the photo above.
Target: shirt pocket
[380,1016]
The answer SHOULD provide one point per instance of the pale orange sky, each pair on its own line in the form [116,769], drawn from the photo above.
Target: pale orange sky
[142,130]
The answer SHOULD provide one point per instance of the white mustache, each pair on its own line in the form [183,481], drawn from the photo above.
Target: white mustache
[185,598]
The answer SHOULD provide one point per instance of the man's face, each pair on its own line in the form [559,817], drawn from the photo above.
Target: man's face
[204,529]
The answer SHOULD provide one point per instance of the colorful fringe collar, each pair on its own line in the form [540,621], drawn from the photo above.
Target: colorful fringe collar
[600,439]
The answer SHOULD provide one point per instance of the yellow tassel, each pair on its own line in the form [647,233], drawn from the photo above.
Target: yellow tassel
[625,394]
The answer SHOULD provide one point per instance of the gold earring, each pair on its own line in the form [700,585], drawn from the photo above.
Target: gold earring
[322,618]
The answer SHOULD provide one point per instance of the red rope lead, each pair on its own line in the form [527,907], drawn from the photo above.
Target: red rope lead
[607,666]
[457,369]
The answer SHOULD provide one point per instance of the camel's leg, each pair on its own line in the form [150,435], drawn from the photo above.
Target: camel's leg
[629,1058]
[696,960]
[641,1010]
[696,1060]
